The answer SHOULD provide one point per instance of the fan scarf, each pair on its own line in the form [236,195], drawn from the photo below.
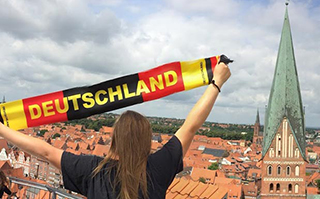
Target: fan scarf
[81,102]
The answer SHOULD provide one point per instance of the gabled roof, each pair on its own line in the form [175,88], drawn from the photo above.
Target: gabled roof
[285,98]
[4,164]
[209,175]
[101,150]
[186,188]
[3,144]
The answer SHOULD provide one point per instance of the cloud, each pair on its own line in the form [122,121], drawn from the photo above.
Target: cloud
[47,46]
[60,21]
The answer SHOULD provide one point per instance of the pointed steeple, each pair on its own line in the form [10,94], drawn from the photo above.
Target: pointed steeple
[258,117]
[285,98]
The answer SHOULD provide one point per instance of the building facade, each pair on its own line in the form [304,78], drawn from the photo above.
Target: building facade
[283,153]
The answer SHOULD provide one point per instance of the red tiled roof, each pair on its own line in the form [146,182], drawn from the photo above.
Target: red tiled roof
[18,172]
[186,188]
[155,146]
[209,191]
[101,150]
[250,189]
[252,171]
[3,144]
[235,191]
[4,164]
[199,190]
[197,173]
[312,178]
[58,144]
[106,129]
[312,190]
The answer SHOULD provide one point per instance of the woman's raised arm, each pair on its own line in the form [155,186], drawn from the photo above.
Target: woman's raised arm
[32,145]
[199,113]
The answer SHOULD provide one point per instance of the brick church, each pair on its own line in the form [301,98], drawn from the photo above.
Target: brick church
[257,133]
[283,151]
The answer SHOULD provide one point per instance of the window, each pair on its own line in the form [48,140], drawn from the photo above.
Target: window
[278,145]
[271,187]
[290,146]
[269,170]
[288,170]
[297,171]
[271,153]
[290,188]
[278,187]
[279,170]
[296,188]
[296,153]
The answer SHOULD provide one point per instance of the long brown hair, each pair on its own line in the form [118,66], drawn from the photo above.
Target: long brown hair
[131,146]
[3,179]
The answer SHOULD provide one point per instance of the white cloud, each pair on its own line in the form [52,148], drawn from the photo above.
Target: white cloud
[62,44]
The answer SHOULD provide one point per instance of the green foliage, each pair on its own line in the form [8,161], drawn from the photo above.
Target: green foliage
[233,132]
[202,179]
[318,183]
[56,135]
[42,132]
[170,126]
[93,124]
[166,129]
[310,150]
[214,166]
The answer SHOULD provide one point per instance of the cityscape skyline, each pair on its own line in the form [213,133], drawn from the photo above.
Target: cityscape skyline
[64,45]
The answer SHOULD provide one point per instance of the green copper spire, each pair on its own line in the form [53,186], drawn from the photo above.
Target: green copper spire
[285,98]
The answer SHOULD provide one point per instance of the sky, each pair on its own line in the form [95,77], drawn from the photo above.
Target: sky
[48,46]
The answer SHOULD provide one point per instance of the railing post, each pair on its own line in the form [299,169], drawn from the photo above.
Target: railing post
[54,195]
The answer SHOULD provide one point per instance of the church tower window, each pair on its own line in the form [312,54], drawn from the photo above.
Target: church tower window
[279,170]
[278,187]
[271,187]
[297,171]
[271,153]
[290,146]
[269,170]
[288,170]
[296,188]
[290,188]
[296,153]
[278,145]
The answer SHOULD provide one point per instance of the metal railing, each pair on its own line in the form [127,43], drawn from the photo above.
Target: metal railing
[53,191]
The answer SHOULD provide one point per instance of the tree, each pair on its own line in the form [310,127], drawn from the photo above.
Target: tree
[42,132]
[56,135]
[202,179]
[318,183]
[214,166]
[310,150]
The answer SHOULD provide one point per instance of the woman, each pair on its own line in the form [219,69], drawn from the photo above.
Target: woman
[128,171]
[3,184]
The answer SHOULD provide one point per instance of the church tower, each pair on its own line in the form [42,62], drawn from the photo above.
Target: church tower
[283,152]
[257,137]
